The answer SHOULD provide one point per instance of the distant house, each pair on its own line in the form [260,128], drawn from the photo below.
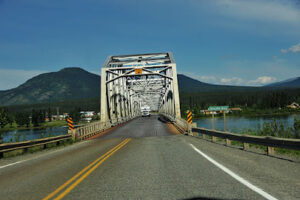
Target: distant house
[87,114]
[206,112]
[293,105]
[58,117]
[235,109]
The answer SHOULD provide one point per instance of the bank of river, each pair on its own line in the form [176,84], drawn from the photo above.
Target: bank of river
[238,124]
[23,135]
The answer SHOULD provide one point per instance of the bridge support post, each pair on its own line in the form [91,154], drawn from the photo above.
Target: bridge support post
[194,125]
[246,146]
[72,132]
[214,138]
[270,151]
[228,142]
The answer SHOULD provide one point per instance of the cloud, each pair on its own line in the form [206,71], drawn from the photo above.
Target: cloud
[11,78]
[206,79]
[262,80]
[283,50]
[96,72]
[278,11]
[215,80]
[231,81]
[293,49]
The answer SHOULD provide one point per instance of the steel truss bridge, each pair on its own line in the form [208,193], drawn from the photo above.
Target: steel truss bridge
[132,81]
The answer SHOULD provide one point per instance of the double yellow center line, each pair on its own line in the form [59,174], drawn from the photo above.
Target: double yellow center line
[80,176]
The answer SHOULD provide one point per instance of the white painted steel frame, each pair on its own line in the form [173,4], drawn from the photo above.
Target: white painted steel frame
[123,91]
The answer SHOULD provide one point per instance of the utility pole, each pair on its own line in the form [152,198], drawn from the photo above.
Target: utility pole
[225,127]
[213,121]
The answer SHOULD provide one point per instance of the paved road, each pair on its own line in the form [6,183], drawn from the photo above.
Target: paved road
[154,164]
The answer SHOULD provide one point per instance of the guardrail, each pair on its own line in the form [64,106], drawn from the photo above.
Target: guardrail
[7,147]
[269,142]
[80,133]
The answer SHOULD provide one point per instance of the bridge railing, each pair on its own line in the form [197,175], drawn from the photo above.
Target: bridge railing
[269,142]
[94,128]
[181,124]
[7,147]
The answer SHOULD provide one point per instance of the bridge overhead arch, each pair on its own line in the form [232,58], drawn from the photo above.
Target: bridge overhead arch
[129,82]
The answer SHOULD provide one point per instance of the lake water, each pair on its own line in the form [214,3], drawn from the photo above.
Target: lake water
[31,134]
[237,124]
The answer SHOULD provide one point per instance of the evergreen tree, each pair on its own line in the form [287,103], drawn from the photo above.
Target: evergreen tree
[75,114]
[3,117]
[22,119]
[297,127]
[35,118]
[10,119]
[49,114]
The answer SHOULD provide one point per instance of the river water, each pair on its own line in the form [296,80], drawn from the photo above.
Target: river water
[237,124]
[23,135]
[234,124]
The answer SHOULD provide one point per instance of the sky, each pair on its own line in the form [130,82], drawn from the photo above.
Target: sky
[229,42]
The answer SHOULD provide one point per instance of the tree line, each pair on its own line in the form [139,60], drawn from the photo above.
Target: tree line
[35,117]
[261,99]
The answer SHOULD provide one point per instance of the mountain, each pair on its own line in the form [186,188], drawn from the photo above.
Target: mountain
[66,84]
[75,83]
[189,85]
[289,83]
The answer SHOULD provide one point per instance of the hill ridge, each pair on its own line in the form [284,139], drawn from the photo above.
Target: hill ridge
[71,83]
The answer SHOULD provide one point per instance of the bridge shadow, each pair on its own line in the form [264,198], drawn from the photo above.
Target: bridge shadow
[249,150]
[161,119]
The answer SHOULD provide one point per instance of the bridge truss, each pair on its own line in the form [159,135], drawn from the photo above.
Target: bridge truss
[129,82]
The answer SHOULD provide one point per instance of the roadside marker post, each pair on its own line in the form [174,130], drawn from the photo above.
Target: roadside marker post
[190,121]
[70,123]
[189,117]
[71,128]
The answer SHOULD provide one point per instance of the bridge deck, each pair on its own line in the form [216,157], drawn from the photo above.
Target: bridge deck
[154,164]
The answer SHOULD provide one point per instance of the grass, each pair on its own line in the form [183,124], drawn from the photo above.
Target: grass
[14,126]
[290,152]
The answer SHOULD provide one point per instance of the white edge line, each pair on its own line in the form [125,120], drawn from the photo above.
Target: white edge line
[21,161]
[235,176]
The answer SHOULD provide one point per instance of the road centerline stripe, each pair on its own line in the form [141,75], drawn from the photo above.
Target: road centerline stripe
[71,187]
[86,168]
[235,176]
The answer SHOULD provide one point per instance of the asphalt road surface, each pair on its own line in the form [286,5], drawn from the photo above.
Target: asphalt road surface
[146,159]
